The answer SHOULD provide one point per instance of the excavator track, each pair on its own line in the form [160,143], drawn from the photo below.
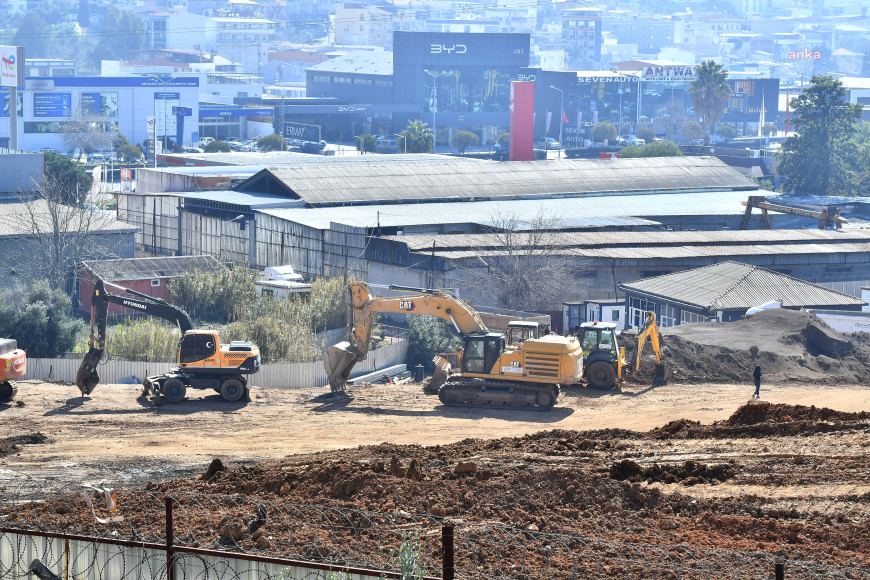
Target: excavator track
[8,390]
[462,392]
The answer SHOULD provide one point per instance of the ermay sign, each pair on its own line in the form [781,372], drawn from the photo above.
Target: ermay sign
[12,66]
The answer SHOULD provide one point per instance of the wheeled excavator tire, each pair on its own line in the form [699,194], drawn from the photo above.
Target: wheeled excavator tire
[498,394]
[174,390]
[8,390]
[600,375]
[232,389]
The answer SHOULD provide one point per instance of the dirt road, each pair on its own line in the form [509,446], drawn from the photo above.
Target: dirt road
[129,440]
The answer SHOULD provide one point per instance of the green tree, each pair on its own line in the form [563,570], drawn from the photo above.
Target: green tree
[33,34]
[820,159]
[40,321]
[769,129]
[122,33]
[216,147]
[726,131]
[119,141]
[368,143]
[429,336]
[647,134]
[654,149]
[710,91]
[693,131]
[464,140]
[70,181]
[273,142]
[213,296]
[603,131]
[129,153]
[419,137]
[504,139]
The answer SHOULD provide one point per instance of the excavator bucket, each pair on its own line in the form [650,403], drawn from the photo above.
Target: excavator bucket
[338,361]
[87,377]
[659,378]
[439,377]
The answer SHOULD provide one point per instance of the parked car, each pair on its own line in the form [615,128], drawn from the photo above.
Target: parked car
[634,140]
[552,143]
[187,149]
[97,158]
[205,140]
[313,146]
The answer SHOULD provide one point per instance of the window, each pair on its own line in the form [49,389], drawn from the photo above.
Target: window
[687,317]
[196,347]
[155,283]
[668,315]
[614,315]
[637,309]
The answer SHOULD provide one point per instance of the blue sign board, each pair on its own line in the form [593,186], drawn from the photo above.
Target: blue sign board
[154,81]
[234,112]
[52,105]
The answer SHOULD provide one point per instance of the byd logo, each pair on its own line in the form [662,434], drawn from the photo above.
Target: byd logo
[406,305]
[453,48]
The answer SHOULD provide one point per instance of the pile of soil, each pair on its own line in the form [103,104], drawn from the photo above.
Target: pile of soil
[790,346]
[9,445]
[599,484]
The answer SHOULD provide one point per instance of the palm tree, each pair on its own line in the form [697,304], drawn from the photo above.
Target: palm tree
[710,91]
[418,137]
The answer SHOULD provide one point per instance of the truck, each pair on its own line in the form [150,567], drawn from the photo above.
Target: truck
[13,365]
[203,362]
[494,370]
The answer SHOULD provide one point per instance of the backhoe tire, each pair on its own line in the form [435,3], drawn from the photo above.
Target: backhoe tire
[232,390]
[7,391]
[174,390]
[600,375]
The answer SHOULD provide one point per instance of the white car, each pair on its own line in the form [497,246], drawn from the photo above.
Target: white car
[552,143]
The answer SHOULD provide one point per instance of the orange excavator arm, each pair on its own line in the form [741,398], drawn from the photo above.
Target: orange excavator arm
[340,359]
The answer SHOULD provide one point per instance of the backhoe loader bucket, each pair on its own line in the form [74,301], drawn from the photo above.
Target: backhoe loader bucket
[339,360]
[659,378]
[87,377]
[439,377]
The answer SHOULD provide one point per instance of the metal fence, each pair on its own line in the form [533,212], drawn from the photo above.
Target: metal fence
[154,535]
[279,376]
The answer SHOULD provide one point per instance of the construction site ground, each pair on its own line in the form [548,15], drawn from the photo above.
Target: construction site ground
[690,462]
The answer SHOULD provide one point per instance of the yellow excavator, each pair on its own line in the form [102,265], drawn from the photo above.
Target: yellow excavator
[493,371]
[203,363]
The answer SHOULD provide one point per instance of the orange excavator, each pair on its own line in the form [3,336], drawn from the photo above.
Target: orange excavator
[493,371]
[13,365]
[203,363]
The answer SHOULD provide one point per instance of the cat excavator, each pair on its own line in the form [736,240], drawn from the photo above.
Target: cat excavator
[203,363]
[492,372]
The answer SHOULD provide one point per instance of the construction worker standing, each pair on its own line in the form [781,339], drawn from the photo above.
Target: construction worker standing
[757,376]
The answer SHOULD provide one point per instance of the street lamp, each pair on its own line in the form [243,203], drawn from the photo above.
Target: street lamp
[164,81]
[620,111]
[561,115]
[435,103]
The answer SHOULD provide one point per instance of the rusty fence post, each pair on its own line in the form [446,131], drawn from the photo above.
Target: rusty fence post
[170,564]
[448,570]
[779,571]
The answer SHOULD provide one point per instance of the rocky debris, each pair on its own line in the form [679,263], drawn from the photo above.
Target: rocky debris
[689,473]
[789,345]
[215,467]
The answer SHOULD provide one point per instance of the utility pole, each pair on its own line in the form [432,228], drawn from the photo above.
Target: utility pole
[561,116]
[435,101]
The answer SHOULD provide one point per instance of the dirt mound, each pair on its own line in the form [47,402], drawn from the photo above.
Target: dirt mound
[9,445]
[689,473]
[790,346]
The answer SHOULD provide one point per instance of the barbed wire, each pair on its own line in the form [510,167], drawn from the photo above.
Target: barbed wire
[221,527]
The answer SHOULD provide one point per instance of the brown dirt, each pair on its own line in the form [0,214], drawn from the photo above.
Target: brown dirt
[791,346]
[746,480]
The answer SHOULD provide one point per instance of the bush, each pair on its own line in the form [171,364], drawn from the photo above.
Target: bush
[603,131]
[504,139]
[369,143]
[281,327]
[654,149]
[129,153]
[647,134]
[143,339]
[214,296]
[692,130]
[726,132]
[216,147]
[768,129]
[463,140]
[40,321]
[429,336]
[273,142]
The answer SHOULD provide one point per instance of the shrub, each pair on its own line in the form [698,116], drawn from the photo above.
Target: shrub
[273,142]
[692,130]
[463,140]
[603,131]
[726,132]
[647,134]
[40,321]
[216,147]
[214,296]
[143,339]
[369,143]
[654,149]
[129,153]
[429,336]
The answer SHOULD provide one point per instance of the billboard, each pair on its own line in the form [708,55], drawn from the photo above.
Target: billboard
[302,132]
[164,120]
[12,66]
[668,74]
[748,96]
[52,105]
[100,104]
[492,50]
[522,121]
[5,111]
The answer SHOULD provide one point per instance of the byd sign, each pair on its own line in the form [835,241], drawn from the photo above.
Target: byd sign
[447,49]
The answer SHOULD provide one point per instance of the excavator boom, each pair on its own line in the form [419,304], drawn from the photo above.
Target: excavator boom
[650,331]
[87,377]
[340,359]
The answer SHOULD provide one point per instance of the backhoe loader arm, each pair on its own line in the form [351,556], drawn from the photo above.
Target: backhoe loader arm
[341,358]
[649,331]
[87,377]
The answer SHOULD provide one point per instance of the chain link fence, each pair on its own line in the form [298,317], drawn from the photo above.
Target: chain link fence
[145,530]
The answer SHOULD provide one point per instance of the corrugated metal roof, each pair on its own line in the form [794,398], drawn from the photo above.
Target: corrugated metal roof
[17,219]
[151,268]
[339,183]
[255,201]
[736,286]
[293,158]
[365,62]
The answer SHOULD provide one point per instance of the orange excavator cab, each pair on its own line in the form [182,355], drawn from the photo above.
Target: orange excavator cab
[13,365]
